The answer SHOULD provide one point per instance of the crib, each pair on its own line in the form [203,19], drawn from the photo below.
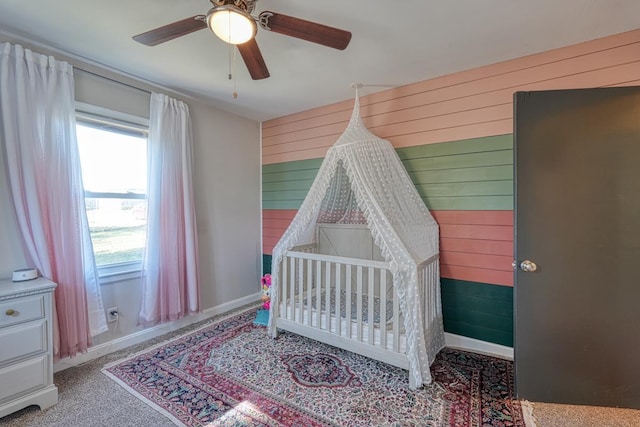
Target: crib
[336,286]
[350,302]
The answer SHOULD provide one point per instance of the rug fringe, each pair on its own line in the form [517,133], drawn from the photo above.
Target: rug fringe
[527,413]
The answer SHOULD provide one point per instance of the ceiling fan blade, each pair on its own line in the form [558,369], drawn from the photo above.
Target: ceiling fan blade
[252,57]
[305,30]
[171,31]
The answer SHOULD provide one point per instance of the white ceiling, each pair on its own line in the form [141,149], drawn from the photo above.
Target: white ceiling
[394,42]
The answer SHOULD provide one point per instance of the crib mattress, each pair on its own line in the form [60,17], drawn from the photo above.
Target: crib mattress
[353,312]
[302,315]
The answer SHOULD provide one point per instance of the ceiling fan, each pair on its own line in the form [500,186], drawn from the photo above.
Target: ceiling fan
[231,21]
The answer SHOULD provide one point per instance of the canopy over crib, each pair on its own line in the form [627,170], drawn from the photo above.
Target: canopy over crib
[363,181]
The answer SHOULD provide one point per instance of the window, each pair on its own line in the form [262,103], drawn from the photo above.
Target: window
[113,156]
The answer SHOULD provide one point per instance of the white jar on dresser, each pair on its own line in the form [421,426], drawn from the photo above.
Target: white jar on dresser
[26,338]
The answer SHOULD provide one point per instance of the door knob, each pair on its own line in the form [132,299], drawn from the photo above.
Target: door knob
[528,266]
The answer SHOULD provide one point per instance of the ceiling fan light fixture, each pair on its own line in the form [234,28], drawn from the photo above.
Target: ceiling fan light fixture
[231,24]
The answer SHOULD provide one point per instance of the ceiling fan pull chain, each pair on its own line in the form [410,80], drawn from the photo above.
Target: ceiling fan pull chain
[235,81]
[230,59]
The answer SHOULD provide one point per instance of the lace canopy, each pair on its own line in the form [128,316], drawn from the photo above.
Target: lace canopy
[363,181]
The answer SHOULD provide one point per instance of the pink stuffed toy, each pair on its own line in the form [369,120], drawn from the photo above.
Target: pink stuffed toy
[266,291]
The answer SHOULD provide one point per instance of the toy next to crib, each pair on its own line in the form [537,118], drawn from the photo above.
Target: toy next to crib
[266,291]
[262,316]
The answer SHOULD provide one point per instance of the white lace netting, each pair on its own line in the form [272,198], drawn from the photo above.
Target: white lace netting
[363,181]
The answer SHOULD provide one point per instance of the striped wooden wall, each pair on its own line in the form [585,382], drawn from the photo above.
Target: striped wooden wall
[453,134]
[459,106]
[467,185]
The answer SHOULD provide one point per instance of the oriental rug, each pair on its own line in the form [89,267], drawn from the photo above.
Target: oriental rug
[231,373]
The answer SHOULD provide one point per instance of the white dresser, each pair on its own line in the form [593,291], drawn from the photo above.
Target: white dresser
[26,356]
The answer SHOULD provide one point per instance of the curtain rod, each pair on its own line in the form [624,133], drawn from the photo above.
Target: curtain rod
[112,80]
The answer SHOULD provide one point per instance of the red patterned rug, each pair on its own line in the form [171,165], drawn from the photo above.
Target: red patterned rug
[232,374]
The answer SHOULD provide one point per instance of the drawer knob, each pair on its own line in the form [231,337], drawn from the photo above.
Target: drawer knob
[11,312]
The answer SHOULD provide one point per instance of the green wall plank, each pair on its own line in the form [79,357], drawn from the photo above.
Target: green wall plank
[478,310]
[477,188]
[482,173]
[469,203]
[457,161]
[475,330]
[472,174]
[281,204]
[266,264]
[284,195]
[474,145]
[293,175]
[466,288]
[302,184]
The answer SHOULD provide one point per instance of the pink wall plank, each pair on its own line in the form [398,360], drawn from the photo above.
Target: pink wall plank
[578,50]
[489,247]
[483,261]
[286,214]
[477,232]
[464,105]
[479,275]
[474,217]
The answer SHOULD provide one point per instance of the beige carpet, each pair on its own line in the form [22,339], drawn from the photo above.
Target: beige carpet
[554,415]
[89,398]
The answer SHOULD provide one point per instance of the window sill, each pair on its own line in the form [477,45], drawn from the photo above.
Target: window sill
[119,272]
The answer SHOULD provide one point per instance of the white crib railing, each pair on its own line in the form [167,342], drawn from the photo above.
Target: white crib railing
[346,302]
[352,304]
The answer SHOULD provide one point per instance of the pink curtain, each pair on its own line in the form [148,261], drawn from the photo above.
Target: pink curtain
[37,131]
[170,285]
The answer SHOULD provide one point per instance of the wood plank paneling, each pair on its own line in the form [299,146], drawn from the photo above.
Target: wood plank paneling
[278,214]
[585,49]
[475,245]
[459,161]
[478,232]
[285,185]
[469,202]
[475,174]
[274,224]
[478,310]
[474,217]
[292,166]
[459,106]
[453,134]
[268,243]
[466,146]
[475,260]
[482,275]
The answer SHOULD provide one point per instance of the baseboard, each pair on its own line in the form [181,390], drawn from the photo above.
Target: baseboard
[152,332]
[478,346]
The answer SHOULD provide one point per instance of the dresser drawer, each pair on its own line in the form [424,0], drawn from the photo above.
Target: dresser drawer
[22,341]
[20,310]
[24,377]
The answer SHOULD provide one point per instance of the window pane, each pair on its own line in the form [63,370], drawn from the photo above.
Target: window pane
[117,229]
[111,161]
[114,164]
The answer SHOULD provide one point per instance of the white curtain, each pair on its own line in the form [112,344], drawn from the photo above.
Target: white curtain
[170,285]
[38,134]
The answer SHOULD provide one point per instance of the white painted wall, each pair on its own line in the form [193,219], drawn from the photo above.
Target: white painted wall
[227,194]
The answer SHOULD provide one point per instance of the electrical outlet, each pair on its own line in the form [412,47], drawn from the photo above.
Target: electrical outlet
[112,314]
